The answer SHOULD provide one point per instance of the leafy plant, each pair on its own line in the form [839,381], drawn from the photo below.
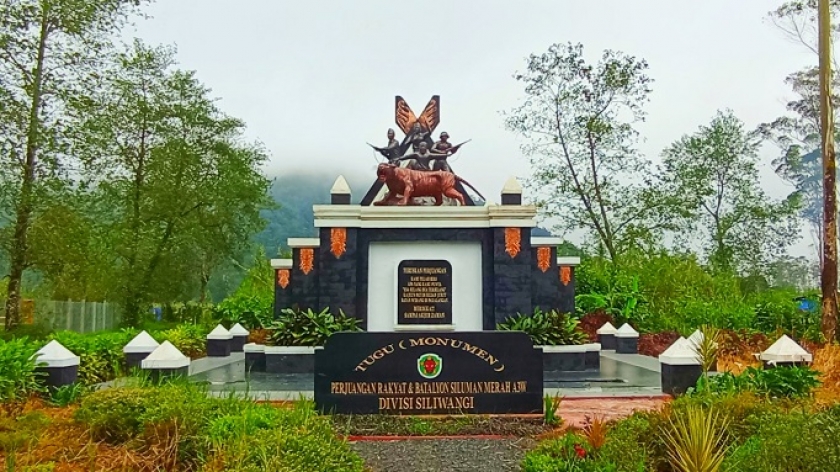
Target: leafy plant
[308,328]
[546,328]
[190,339]
[568,453]
[595,432]
[67,394]
[695,439]
[781,382]
[19,378]
[708,346]
[550,407]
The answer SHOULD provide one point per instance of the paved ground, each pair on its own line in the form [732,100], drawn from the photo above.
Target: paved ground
[574,410]
[457,455]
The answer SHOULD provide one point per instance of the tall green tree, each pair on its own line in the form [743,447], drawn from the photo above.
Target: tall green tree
[185,188]
[715,170]
[578,122]
[45,46]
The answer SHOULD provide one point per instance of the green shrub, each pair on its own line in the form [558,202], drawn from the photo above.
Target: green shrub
[781,382]
[18,376]
[777,310]
[550,328]
[101,355]
[308,328]
[252,304]
[67,394]
[190,339]
[628,444]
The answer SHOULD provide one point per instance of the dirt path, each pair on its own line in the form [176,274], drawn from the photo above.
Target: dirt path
[434,455]
[574,410]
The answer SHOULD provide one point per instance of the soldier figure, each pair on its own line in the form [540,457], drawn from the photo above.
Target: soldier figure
[392,150]
[421,160]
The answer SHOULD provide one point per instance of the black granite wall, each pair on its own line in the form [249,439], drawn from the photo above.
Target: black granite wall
[545,285]
[338,280]
[512,276]
[282,296]
[305,286]
[567,292]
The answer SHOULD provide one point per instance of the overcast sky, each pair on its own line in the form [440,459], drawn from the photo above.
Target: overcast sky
[315,80]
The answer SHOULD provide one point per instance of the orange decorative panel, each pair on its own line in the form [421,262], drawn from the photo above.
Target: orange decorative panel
[513,241]
[338,241]
[307,260]
[543,258]
[283,278]
[565,275]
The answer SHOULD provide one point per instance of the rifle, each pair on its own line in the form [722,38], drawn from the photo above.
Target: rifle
[455,148]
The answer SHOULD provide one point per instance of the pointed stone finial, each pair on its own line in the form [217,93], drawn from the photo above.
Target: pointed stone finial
[680,353]
[54,354]
[219,332]
[143,342]
[512,192]
[166,356]
[626,331]
[239,330]
[786,350]
[607,328]
[340,192]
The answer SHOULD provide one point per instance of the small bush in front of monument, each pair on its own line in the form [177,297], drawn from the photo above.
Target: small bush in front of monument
[308,328]
[787,382]
[550,328]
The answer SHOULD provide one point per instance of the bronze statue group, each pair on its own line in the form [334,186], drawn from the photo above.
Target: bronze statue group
[426,155]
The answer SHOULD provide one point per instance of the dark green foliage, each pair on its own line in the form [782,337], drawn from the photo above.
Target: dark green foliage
[253,302]
[779,311]
[308,328]
[18,376]
[781,382]
[190,339]
[236,435]
[791,442]
[550,328]
[35,332]
[68,394]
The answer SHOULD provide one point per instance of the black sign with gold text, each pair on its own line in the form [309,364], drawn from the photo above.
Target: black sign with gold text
[429,373]
[424,292]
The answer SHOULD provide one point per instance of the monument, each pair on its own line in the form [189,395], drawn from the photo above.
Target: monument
[421,262]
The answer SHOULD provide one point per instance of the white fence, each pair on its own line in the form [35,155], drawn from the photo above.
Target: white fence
[82,317]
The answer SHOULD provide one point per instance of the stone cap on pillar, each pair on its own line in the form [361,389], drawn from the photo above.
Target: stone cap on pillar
[680,353]
[568,261]
[607,328]
[340,192]
[239,330]
[626,331]
[54,354]
[539,241]
[166,356]
[786,350]
[142,343]
[219,332]
[281,264]
[512,192]
[303,242]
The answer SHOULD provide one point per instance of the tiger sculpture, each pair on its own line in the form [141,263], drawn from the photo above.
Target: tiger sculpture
[415,183]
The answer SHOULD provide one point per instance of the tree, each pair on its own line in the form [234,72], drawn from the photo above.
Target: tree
[578,122]
[715,170]
[185,189]
[45,45]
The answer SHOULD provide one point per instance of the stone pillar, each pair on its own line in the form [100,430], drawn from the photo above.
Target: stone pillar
[340,192]
[679,368]
[240,337]
[166,361]
[254,357]
[546,289]
[626,340]
[512,192]
[305,272]
[282,285]
[785,352]
[606,336]
[138,349]
[566,269]
[338,267]
[593,356]
[59,364]
[512,272]
[219,342]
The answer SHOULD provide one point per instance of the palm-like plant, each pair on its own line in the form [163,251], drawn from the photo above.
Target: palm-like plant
[696,439]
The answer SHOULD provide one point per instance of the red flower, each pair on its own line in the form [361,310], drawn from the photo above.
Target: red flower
[581,452]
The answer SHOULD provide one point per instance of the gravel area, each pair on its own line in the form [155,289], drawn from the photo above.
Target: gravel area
[434,455]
